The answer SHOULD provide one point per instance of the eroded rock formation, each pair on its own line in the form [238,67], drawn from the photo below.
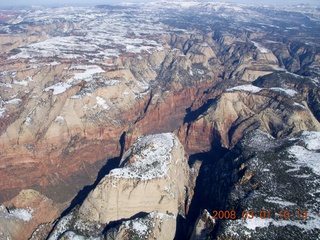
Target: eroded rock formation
[154,177]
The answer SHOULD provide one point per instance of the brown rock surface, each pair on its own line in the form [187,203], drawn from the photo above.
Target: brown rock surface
[155,168]
[25,213]
[234,113]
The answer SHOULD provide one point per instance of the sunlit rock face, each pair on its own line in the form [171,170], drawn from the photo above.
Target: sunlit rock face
[78,87]
[153,177]
[28,211]
[73,80]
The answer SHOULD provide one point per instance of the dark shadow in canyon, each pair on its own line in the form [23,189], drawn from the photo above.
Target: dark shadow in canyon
[116,224]
[111,164]
[193,115]
[213,186]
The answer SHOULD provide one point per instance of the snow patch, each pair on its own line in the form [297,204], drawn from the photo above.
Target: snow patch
[61,227]
[59,119]
[254,89]
[112,82]
[151,156]
[21,83]
[279,201]
[58,88]
[89,71]
[23,214]
[102,103]
[260,47]
[15,101]
[299,105]
[76,97]
[2,111]
[72,236]
[7,85]
[247,88]
[313,222]
[290,92]
[312,140]
[28,121]
[305,157]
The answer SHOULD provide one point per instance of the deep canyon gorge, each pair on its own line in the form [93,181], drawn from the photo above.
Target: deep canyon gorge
[136,121]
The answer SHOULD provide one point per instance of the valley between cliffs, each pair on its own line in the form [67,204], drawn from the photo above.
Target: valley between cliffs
[88,94]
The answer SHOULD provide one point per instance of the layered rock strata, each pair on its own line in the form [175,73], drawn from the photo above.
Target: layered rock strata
[154,177]
[26,212]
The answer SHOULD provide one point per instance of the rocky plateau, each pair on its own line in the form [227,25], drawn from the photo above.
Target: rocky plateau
[137,121]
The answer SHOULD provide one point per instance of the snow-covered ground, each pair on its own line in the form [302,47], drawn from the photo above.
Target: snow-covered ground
[99,34]
[255,89]
[309,155]
[17,213]
[150,158]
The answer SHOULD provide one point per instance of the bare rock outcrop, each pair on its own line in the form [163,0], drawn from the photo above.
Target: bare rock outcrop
[154,177]
[203,226]
[155,225]
[244,108]
[25,213]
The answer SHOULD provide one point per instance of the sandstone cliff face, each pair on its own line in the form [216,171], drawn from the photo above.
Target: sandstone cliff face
[154,226]
[244,108]
[25,213]
[203,227]
[61,118]
[154,177]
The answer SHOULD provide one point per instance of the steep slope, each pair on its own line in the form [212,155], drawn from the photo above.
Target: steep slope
[154,177]
[275,188]
[26,212]
[78,86]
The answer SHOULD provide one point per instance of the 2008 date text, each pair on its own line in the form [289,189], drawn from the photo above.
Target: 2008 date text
[263,214]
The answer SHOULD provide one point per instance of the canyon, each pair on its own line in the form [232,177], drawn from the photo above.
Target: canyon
[81,86]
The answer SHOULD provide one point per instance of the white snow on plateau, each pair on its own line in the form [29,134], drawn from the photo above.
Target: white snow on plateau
[89,71]
[2,111]
[17,213]
[255,89]
[58,88]
[279,201]
[23,214]
[247,88]
[307,156]
[290,92]
[99,35]
[312,140]
[22,83]
[102,103]
[151,156]
[260,47]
